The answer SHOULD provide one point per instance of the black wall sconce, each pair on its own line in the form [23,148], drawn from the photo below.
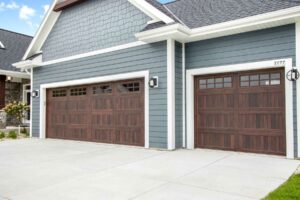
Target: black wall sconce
[153,82]
[35,94]
[293,74]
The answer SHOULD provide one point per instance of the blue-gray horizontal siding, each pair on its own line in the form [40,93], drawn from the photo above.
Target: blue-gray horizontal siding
[178,95]
[267,44]
[150,57]
[95,24]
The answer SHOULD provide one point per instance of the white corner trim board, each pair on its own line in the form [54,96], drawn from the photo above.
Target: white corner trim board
[183,97]
[171,93]
[101,79]
[298,83]
[286,63]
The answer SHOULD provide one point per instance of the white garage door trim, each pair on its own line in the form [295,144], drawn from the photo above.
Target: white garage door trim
[286,63]
[101,79]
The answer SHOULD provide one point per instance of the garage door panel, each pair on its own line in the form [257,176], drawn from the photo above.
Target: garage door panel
[246,115]
[77,133]
[216,101]
[100,103]
[216,140]
[262,100]
[102,119]
[105,135]
[107,112]
[129,119]
[262,144]
[216,120]
[270,121]
[129,136]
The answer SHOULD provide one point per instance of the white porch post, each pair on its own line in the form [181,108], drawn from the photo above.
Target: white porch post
[171,93]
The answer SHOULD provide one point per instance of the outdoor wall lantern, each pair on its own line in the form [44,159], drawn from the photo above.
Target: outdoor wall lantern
[293,74]
[8,78]
[35,94]
[153,82]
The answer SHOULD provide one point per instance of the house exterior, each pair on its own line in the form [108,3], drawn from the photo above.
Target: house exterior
[14,84]
[186,74]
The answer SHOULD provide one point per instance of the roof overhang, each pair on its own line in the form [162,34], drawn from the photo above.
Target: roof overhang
[151,11]
[15,74]
[66,4]
[258,22]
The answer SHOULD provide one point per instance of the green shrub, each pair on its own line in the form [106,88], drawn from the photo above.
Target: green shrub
[2,135]
[24,131]
[12,134]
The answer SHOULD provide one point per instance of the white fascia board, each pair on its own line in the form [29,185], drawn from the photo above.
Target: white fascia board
[151,11]
[175,31]
[15,74]
[43,32]
[263,21]
[26,64]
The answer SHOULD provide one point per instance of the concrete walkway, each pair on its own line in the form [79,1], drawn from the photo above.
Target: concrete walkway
[67,170]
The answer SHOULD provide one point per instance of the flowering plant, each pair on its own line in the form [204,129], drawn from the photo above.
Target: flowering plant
[17,110]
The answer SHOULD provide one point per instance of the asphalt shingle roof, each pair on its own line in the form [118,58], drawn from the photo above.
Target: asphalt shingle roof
[199,13]
[16,45]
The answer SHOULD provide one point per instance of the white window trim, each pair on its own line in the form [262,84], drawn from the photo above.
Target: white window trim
[24,100]
[101,79]
[171,93]
[298,82]
[286,63]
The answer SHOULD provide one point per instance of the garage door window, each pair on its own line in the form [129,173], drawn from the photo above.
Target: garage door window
[265,79]
[78,92]
[216,83]
[59,93]
[129,87]
[102,89]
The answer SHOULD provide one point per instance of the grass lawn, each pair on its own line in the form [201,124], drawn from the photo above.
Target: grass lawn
[288,191]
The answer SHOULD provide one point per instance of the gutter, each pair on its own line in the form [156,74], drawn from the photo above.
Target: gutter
[15,74]
[182,33]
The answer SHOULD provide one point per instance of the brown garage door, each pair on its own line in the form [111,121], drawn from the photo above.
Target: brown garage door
[241,112]
[107,112]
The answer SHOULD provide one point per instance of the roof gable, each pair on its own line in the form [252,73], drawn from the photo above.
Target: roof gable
[12,48]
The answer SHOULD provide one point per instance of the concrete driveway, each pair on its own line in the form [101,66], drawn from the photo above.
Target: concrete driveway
[56,169]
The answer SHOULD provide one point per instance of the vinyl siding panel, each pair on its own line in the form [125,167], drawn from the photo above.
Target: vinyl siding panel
[267,44]
[178,95]
[93,25]
[152,57]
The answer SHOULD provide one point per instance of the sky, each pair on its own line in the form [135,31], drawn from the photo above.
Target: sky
[22,16]
[25,16]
